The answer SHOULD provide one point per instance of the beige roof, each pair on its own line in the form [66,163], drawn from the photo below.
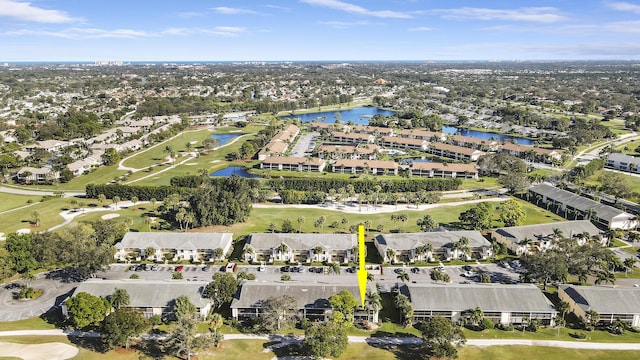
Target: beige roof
[293,160]
[420,133]
[404,141]
[455,149]
[427,166]
[378,164]
[340,134]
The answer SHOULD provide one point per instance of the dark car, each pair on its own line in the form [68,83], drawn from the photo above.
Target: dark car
[467,268]
[285,268]
[180,268]
[398,271]
[415,270]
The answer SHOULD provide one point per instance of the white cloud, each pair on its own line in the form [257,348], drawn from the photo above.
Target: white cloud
[532,14]
[356,9]
[190,14]
[278,7]
[27,12]
[83,33]
[343,24]
[421,28]
[232,11]
[624,6]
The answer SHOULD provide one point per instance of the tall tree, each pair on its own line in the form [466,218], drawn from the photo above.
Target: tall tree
[221,289]
[120,326]
[119,298]
[324,339]
[278,312]
[511,213]
[427,223]
[86,310]
[440,337]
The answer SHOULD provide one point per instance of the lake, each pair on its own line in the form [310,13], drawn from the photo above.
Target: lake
[234,170]
[224,138]
[361,116]
[486,135]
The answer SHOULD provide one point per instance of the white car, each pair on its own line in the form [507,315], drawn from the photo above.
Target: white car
[262,267]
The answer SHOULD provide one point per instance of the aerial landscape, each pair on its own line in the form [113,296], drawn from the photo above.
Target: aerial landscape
[319,179]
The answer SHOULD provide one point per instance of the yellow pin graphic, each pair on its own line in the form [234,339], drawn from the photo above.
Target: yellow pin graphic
[362,272]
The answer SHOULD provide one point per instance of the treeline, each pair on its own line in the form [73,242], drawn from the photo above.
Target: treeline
[87,247]
[125,192]
[196,181]
[583,132]
[364,185]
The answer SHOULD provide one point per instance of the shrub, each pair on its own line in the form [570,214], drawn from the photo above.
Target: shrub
[285,277]
[29,293]
[134,276]
[486,323]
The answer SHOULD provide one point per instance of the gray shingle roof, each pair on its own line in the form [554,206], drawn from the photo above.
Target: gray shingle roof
[605,300]
[489,297]
[619,157]
[540,231]
[266,241]
[309,295]
[439,239]
[147,293]
[174,240]
[605,212]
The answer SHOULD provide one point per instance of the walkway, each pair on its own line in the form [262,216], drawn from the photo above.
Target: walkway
[371,340]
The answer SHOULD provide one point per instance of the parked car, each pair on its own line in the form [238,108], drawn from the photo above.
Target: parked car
[286,268]
[231,267]
[206,268]
[415,270]
[154,267]
[179,268]
[467,268]
[262,267]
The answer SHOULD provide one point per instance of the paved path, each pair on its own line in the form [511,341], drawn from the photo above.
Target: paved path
[371,340]
[54,291]
[364,209]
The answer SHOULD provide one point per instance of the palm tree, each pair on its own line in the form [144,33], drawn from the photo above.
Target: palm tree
[563,308]
[301,221]
[391,255]
[475,316]
[403,276]
[318,250]
[282,248]
[335,268]
[119,298]
[35,218]
[560,322]
[629,264]
[373,301]
[116,200]
[592,317]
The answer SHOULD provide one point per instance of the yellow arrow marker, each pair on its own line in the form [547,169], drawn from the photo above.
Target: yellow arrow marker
[362,272]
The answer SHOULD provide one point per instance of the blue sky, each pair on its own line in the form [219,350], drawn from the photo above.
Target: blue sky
[243,30]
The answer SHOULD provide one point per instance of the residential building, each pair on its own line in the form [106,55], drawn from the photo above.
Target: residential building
[373,167]
[280,142]
[293,163]
[173,245]
[623,162]
[443,170]
[52,146]
[352,138]
[152,297]
[567,203]
[540,237]
[373,130]
[533,153]
[473,142]
[454,152]
[297,247]
[432,246]
[31,175]
[361,152]
[611,303]
[422,134]
[503,304]
[395,142]
[312,299]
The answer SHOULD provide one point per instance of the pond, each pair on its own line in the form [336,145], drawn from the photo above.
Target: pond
[234,170]
[486,135]
[359,115]
[224,138]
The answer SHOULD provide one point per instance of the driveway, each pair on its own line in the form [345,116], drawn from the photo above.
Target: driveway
[55,288]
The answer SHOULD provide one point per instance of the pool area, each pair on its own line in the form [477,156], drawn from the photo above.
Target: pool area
[234,170]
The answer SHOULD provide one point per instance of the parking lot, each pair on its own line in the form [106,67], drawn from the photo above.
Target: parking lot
[319,274]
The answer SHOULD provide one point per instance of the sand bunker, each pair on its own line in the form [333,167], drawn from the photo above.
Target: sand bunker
[45,351]
[110,216]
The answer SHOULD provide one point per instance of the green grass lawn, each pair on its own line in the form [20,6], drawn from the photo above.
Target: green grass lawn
[12,201]
[49,212]
[539,352]
[552,334]
[632,181]
[260,219]
[34,323]
[631,250]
